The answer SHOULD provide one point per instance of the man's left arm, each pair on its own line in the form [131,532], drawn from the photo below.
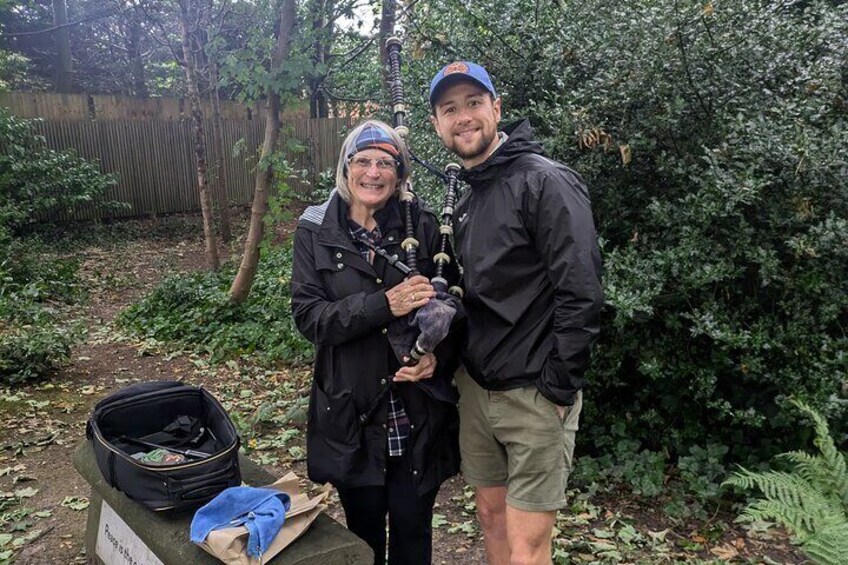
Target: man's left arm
[560,217]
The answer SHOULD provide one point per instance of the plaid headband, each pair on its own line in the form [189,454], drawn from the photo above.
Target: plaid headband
[375,138]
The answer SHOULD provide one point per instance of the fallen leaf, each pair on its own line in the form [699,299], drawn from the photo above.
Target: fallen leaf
[28,492]
[726,552]
[439,520]
[75,503]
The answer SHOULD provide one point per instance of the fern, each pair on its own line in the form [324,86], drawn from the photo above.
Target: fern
[811,501]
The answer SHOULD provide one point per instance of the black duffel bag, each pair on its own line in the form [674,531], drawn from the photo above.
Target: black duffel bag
[185,424]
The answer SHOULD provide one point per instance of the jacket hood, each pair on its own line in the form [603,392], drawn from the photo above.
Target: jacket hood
[519,142]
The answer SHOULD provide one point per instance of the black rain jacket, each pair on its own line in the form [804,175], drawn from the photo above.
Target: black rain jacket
[339,304]
[528,246]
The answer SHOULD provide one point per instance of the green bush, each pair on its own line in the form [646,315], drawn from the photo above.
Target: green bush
[31,345]
[34,338]
[36,182]
[195,310]
[713,137]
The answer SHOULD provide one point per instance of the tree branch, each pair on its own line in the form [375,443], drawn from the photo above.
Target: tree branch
[58,27]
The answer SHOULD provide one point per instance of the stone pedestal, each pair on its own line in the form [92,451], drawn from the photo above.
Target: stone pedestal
[133,535]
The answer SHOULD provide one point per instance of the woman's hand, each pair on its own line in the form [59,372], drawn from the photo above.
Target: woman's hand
[412,293]
[423,370]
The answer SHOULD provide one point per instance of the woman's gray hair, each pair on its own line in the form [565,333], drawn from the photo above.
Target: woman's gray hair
[349,146]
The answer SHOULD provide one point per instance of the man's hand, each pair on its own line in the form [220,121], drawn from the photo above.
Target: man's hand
[561,411]
[423,370]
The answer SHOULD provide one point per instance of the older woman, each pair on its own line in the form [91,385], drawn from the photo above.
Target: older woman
[382,440]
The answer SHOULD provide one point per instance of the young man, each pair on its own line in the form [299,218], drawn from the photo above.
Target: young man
[528,247]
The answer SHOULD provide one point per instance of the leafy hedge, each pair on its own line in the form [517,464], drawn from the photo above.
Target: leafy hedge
[37,182]
[713,136]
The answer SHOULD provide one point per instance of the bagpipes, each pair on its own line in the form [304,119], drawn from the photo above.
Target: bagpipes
[419,333]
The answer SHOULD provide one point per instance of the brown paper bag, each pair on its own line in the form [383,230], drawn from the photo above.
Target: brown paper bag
[230,544]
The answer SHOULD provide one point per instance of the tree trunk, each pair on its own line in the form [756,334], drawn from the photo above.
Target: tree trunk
[62,36]
[322,22]
[199,141]
[134,49]
[387,29]
[221,193]
[264,174]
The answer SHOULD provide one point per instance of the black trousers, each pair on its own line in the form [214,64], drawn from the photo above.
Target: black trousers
[410,516]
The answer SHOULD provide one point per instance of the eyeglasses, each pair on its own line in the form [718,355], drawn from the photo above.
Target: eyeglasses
[364,163]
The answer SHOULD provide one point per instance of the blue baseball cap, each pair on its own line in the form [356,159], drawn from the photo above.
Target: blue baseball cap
[458,72]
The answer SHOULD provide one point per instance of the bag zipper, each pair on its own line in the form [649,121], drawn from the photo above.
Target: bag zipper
[161,468]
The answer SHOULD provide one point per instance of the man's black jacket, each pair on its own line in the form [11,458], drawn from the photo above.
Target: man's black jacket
[528,246]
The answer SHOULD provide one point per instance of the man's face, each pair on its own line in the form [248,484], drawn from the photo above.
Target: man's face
[466,119]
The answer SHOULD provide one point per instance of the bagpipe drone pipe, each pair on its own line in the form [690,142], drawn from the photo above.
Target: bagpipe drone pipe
[420,332]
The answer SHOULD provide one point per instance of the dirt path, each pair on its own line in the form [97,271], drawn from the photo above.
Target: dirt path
[43,498]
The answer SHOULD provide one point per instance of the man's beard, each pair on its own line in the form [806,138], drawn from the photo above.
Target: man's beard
[478,150]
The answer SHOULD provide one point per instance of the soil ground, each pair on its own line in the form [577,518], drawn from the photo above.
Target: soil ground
[43,499]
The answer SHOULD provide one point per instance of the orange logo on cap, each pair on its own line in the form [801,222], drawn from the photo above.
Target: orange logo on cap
[456,68]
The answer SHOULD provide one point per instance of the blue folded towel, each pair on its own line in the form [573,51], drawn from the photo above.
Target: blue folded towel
[262,511]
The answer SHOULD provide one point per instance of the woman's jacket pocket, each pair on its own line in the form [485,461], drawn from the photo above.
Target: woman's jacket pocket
[336,417]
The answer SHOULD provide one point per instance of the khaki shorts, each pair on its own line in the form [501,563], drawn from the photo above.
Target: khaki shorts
[515,438]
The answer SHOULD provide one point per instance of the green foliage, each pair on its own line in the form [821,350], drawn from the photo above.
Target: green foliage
[624,463]
[245,64]
[34,339]
[703,470]
[195,310]
[13,68]
[37,182]
[281,197]
[713,138]
[811,500]
[29,351]
[324,186]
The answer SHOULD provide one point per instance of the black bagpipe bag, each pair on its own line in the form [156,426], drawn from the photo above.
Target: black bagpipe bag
[174,415]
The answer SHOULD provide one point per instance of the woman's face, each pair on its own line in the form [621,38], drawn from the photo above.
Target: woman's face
[372,178]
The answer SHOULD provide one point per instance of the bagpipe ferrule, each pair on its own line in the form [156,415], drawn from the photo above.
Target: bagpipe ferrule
[409,243]
[442,258]
[439,282]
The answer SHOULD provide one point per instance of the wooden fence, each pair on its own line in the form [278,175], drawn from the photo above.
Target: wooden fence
[81,106]
[154,158]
